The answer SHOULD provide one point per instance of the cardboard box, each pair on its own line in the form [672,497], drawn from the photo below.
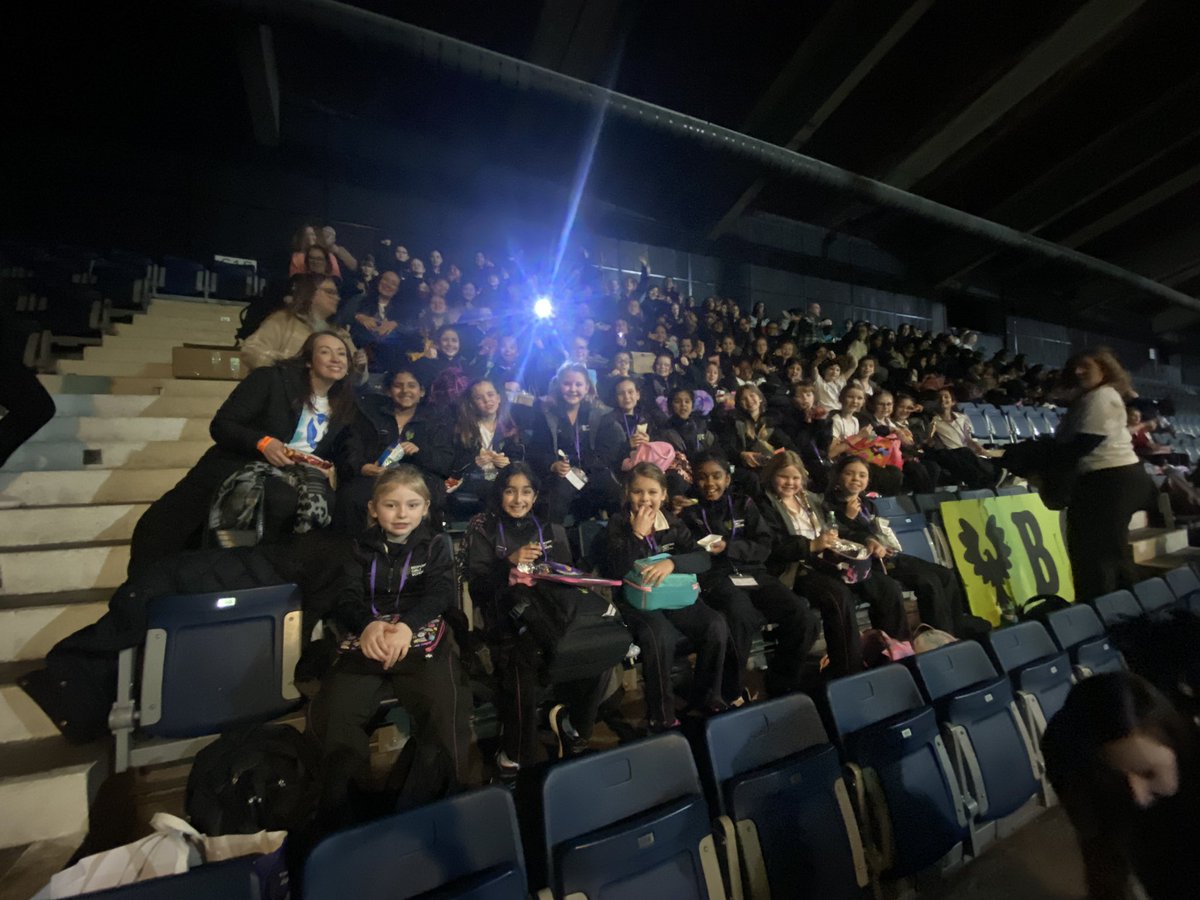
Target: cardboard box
[208,361]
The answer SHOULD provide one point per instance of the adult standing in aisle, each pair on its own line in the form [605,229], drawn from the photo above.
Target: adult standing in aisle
[1111,483]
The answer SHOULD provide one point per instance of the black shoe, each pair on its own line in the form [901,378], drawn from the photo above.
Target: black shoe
[569,742]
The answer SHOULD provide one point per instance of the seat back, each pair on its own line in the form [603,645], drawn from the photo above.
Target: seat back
[779,779]
[1016,646]
[953,668]
[216,660]
[233,879]
[630,822]
[1184,584]
[981,429]
[998,422]
[464,846]
[867,698]
[1010,490]
[1022,428]
[1119,606]
[911,529]
[1079,631]
[1034,664]
[976,494]
[1154,595]
[886,729]
[894,507]
[995,754]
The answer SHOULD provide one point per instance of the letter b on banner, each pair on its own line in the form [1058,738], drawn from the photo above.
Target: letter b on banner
[1041,562]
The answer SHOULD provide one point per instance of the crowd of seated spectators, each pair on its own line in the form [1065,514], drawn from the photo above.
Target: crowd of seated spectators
[428,397]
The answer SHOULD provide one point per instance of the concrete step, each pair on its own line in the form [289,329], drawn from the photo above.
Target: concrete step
[1148,543]
[44,570]
[108,367]
[32,865]
[46,787]
[178,330]
[111,405]
[1158,565]
[123,353]
[69,456]
[43,526]
[125,429]
[183,307]
[20,718]
[73,385]
[79,488]
[1138,521]
[30,625]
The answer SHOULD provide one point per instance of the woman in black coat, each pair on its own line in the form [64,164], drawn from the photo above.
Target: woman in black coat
[302,404]
[390,429]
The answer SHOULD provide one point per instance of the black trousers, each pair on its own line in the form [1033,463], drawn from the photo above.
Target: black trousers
[521,689]
[939,596]
[748,609]
[835,604]
[602,492]
[1098,527]
[432,689]
[29,406]
[658,633]
[886,599]
[176,521]
[964,467]
[921,476]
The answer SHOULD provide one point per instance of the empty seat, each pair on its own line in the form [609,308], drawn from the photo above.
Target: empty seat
[1185,585]
[630,822]
[1155,597]
[777,785]
[1038,669]
[993,755]
[234,879]
[1079,631]
[915,540]
[1117,607]
[981,430]
[210,661]
[464,846]
[999,424]
[1022,428]
[894,507]
[902,774]
[183,276]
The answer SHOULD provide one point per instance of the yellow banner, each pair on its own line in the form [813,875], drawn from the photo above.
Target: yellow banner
[1007,550]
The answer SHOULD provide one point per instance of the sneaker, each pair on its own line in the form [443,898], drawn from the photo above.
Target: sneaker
[569,742]
[506,770]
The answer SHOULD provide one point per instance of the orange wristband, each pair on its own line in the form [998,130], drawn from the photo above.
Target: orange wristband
[262,443]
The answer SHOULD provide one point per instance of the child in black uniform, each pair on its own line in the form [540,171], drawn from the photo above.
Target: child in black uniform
[644,529]
[390,604]
[525,618]
[738,584]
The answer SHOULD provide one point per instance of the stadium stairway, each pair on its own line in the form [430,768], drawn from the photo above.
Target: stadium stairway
[125,431]
[1158,550]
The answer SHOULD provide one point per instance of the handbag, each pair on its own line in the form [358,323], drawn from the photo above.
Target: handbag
[847,561]
[881,450]
[676,591]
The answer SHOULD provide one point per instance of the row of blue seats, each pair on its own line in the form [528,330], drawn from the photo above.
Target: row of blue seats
[1010,423]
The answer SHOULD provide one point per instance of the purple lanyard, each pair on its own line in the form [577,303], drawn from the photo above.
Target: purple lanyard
[732,521]
[650,539]
[625,423]
[578,448]
[399,590]
[536,524]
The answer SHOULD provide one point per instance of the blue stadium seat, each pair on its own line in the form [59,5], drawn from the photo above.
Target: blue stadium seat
[1117,607]
[1041,420]
[1022,428]
[1079,631]
[234,879]
[897,506]
[210,661]
[912,530]
[981,429]
[1185,585]
[900,770]
[999,424]
[1038,669]
[777,785]
[1155,597]
[464,846]
[630,822]
[183,277]
[994,757]
[976,494]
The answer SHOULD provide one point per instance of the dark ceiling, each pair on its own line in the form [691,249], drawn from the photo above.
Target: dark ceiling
[1075,120]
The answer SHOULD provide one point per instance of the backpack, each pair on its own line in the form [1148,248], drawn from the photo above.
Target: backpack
[254,778]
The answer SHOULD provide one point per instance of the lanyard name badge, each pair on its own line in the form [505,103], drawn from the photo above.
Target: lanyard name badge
[738,579]
[428,636]
[576,477]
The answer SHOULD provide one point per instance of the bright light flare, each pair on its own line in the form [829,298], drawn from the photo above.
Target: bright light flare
[543,308]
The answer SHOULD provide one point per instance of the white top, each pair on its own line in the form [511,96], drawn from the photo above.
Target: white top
[828,392]
[314,422]
[844,427]
[866,384]
[954,434]
[485,436]
[1100,411]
